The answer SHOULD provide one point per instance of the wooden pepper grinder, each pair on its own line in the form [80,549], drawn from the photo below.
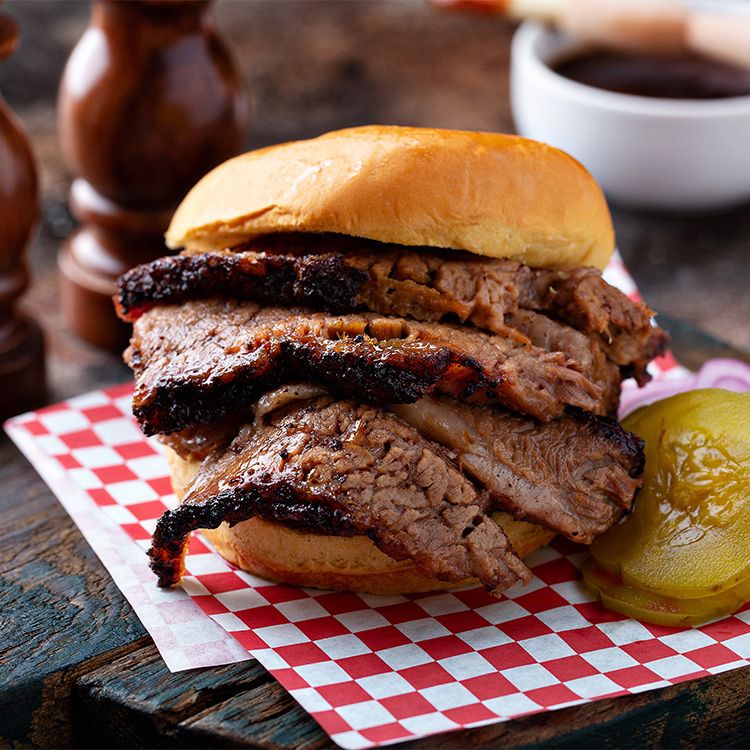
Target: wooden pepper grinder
[22,383]
[149,102]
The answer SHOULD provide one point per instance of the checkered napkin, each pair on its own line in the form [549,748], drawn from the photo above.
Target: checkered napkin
[371,670]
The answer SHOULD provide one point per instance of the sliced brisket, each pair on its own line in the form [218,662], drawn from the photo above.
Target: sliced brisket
[575,475]
[346,274]
[583,299]
[336,467]
[198,361]
[587,352]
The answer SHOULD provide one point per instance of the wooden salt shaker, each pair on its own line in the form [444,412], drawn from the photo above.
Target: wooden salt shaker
[149,102]
[22,382]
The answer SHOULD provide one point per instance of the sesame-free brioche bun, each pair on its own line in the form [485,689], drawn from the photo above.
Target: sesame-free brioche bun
[500,196]
[272,551]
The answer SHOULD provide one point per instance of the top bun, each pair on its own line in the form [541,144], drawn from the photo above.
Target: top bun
[500,196]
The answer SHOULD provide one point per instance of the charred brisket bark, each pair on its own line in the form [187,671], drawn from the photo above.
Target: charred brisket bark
[337,467]
[345,274]
[196,362]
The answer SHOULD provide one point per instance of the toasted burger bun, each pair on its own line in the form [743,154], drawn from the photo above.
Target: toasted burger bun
[270,550]
[496,195]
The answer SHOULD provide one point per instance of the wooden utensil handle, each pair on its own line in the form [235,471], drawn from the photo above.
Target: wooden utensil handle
[542,10]
[635,25]
[652,26]
[720,36]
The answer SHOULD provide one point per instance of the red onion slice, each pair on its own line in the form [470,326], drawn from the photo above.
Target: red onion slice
[730,374]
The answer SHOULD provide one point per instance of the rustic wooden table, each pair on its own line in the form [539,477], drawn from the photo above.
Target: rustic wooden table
[76,666]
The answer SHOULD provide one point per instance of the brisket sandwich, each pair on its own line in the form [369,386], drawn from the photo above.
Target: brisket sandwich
[386,361]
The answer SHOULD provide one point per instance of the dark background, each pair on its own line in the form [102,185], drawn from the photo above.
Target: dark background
[316,65]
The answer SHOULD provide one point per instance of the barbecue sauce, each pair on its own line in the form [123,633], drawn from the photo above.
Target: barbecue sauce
[684,77]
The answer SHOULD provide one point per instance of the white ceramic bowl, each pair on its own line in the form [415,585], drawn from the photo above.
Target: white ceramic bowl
[658,153]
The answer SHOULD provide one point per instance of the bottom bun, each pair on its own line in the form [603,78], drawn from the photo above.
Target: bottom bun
[273,551]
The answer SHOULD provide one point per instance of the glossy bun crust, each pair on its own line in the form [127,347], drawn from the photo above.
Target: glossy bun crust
[491,194]
[275,552]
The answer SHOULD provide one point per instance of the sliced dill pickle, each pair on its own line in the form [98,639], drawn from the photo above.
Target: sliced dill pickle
[689,535]
[657,609]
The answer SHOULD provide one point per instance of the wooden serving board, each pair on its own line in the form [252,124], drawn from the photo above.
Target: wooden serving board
[77,668]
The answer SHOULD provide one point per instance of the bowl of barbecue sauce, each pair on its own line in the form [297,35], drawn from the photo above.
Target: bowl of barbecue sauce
[684,77]
[669,133]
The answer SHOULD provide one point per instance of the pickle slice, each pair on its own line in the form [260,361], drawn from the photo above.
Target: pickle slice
[661,610]
[689,536]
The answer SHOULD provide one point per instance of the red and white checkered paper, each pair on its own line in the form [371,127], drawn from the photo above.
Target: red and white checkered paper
[371,670]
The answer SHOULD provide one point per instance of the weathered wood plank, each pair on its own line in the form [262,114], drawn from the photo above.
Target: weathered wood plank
[60,609]
[135,702]
[266,717]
